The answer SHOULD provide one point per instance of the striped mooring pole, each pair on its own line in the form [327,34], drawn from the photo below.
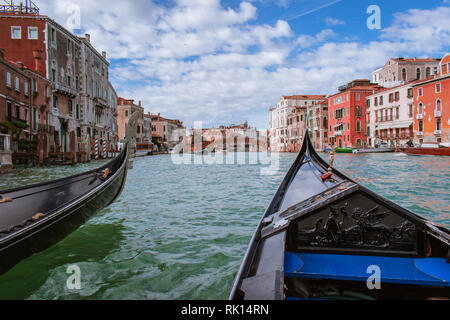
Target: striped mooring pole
[105,155]
[96,148]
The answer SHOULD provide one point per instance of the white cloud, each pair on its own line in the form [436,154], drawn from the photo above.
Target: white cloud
[423,30]
[334,22]
[199,60]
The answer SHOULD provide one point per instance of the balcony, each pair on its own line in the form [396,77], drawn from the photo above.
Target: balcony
[59,88]
[437,114]
[420,133]
[437,132]
[338,133]
[100,102]
[419,116]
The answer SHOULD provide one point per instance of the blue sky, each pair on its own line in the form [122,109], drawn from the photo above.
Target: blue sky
[228,61]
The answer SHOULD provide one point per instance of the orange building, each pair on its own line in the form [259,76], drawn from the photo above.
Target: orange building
[432,106]
[125,108]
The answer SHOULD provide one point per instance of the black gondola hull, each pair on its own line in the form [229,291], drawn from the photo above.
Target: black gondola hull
[59,224]
[322,217]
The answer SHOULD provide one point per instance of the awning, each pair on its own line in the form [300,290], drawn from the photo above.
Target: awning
[395,125]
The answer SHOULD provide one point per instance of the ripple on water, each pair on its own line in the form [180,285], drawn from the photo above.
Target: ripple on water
[180,231]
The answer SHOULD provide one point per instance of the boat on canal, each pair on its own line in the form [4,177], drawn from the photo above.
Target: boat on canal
[324,236]
[35,217]
[344,150]
[430,150]
[144,149]
[374,150]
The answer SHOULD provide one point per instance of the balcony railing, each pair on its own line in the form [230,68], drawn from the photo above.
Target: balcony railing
[59,88]
[338,133]
[420,133]
[419,116]
[437,114]
[438,132]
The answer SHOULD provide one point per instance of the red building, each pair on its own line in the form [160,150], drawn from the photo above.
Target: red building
[347,113]
[24,98]
[432,106]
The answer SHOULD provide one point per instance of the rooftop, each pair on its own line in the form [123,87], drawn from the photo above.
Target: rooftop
[305,97]
[28,8]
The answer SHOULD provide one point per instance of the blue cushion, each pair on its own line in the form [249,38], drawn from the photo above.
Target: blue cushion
[426,271]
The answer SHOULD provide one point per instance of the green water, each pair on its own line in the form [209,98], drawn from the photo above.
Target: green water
[180,231]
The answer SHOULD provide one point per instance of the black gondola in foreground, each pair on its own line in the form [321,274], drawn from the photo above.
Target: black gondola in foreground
[34,218]
[331,238]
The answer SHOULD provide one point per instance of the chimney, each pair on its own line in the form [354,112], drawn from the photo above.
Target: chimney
[104,54]
[88,37]
[140,103]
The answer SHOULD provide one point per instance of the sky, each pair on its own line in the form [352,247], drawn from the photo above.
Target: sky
[224,62]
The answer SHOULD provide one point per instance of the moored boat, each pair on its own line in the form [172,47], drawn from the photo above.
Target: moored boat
[442,151]
[33,218]
[374,150]
[344,150]
[144,149]
[324,236]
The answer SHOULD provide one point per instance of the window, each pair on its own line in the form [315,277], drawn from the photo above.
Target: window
[16,32]
[438,105]
[427,72]
[397,96]
[397,113]
[70,107]
[126,113]
[358,97]
[391,97]
[17,112]
[53,75]
[34,119]
[410,113]
[9,111]
[25,88]
[420,108]
[32,33]
[53,36]
[381,100]
[404,74]
[17,84]
[376,101]
[34,87]
[358,111]
[420,92]
[358,126]
[410,92]
[8,79]
[418,73]
[438,87]
[368,103]
[438,124]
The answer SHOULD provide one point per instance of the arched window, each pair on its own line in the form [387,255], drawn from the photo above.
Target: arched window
[358,126]
[358,111]
[427,72]
[418,73]
[404,74]
[438,105]
[420,108]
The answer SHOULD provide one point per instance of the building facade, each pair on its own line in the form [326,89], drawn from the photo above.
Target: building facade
[318,118]
[398,71]
[78,75]
[432,107]
[347,114]
[125,108]
[167,133]
[391,116]
[280,140]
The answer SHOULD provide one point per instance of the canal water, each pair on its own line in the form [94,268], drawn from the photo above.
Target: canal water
[179,231]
